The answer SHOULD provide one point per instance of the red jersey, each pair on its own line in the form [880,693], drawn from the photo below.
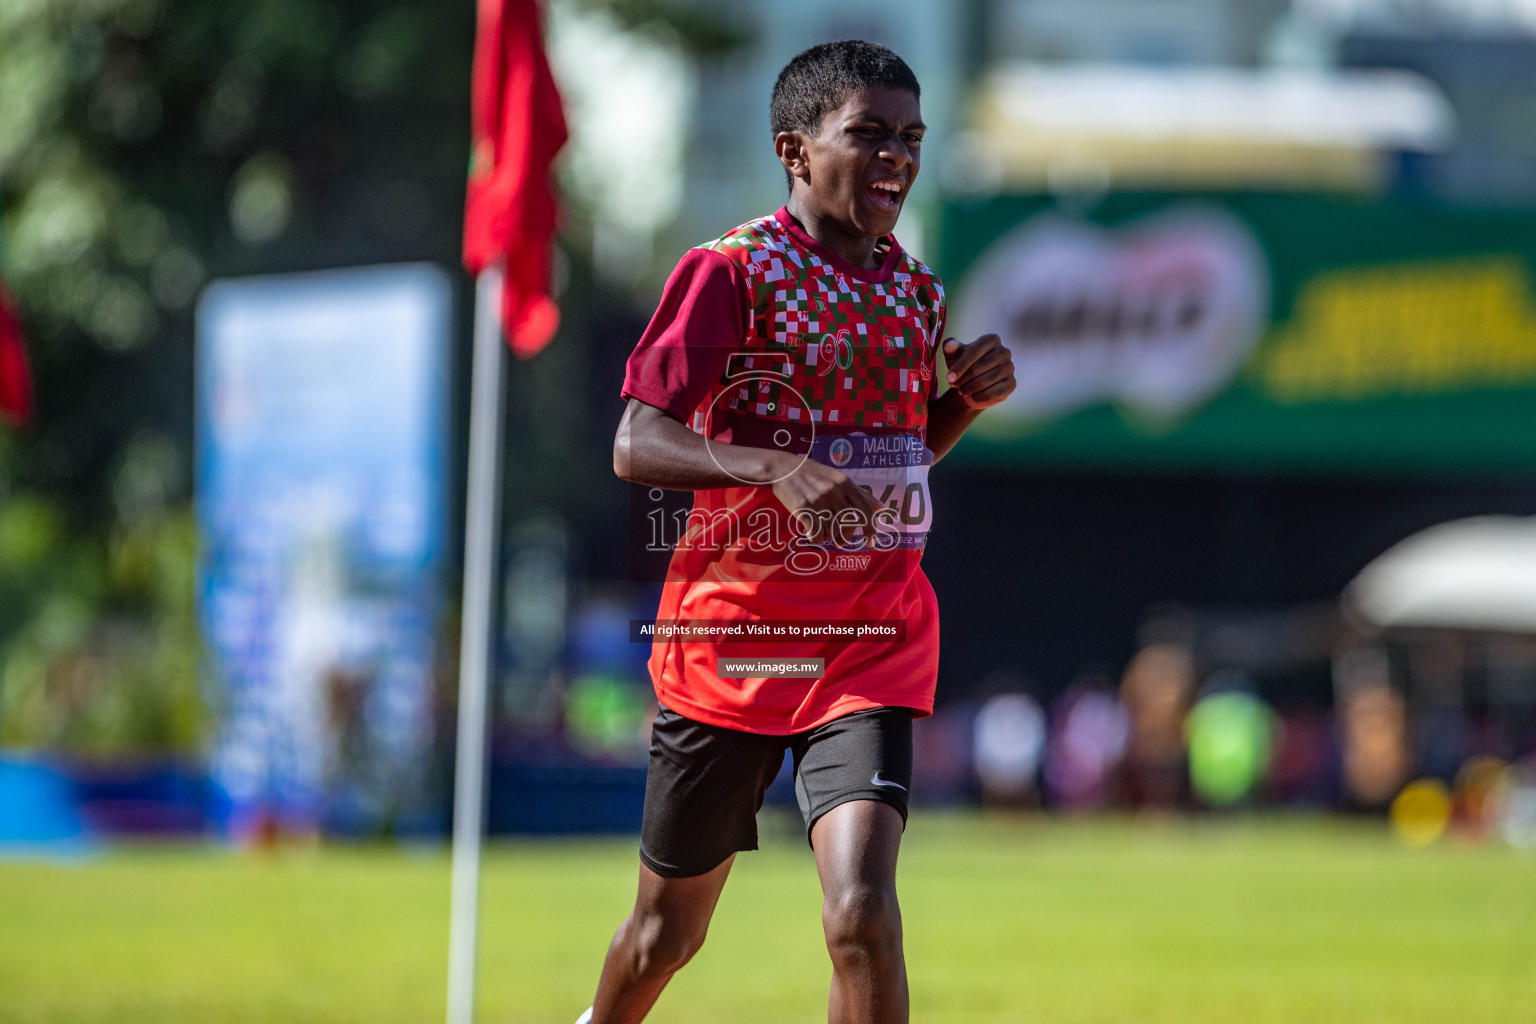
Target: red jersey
[764,337]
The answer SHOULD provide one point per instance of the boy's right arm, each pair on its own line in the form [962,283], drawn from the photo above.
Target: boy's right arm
[655,449]
[699,322]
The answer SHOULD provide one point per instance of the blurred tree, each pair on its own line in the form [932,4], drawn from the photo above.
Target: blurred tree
[146,147]
[695,28]
[105,662]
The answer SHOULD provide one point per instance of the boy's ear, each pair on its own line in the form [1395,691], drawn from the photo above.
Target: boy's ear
[791,149]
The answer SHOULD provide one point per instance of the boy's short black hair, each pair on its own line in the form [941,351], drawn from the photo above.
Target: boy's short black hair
[819,80]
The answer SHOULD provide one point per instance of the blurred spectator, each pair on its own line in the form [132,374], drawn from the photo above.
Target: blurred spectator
[1437,664]
[1087,740]
[536,606]
[1477,803]
[1301,771]
[1156,691]
[608,716]
[1374,725]
[1009,740]
[1231,733]
[1518,820]
[1420,812]
[941,751]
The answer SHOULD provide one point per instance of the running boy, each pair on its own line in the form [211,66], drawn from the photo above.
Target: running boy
[788,378]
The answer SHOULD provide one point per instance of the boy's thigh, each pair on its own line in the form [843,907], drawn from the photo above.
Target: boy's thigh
[863,756]
[703,788]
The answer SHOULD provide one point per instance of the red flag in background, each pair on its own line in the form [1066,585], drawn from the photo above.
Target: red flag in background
[15,385]
[509,215]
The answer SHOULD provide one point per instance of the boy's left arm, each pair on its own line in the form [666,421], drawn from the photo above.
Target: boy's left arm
[980,376]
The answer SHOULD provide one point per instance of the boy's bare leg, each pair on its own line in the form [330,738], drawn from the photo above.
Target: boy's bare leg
[856,846]
[660,935]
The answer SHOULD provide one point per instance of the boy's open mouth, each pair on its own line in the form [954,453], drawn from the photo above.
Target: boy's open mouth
[886,193]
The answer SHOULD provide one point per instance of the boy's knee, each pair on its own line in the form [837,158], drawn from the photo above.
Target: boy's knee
[862,920]
[660,947]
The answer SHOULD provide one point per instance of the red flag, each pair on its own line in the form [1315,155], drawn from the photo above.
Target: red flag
[509,214]
[15,384]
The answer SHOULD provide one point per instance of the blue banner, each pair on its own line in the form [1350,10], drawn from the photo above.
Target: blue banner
[320,477]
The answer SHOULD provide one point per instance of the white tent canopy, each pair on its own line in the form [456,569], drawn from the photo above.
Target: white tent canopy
[1477,573]
[1367,108]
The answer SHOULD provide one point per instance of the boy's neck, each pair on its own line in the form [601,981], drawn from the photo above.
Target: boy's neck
[856,249]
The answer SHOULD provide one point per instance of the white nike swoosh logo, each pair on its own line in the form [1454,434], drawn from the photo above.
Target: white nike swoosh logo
[878,781]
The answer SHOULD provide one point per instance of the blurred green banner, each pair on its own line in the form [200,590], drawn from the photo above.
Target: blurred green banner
[1252,332]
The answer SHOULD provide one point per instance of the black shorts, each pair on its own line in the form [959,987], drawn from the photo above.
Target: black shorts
[705,784]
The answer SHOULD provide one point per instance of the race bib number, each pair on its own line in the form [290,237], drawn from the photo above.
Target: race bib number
[893,468]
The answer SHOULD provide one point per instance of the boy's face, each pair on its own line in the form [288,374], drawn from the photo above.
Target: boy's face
[860,168]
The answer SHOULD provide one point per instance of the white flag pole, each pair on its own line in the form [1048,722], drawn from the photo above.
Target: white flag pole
[482,537]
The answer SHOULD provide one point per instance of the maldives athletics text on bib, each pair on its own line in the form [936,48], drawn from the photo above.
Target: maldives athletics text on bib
[893,468]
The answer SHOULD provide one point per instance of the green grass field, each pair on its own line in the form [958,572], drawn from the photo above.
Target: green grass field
[1007,920]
